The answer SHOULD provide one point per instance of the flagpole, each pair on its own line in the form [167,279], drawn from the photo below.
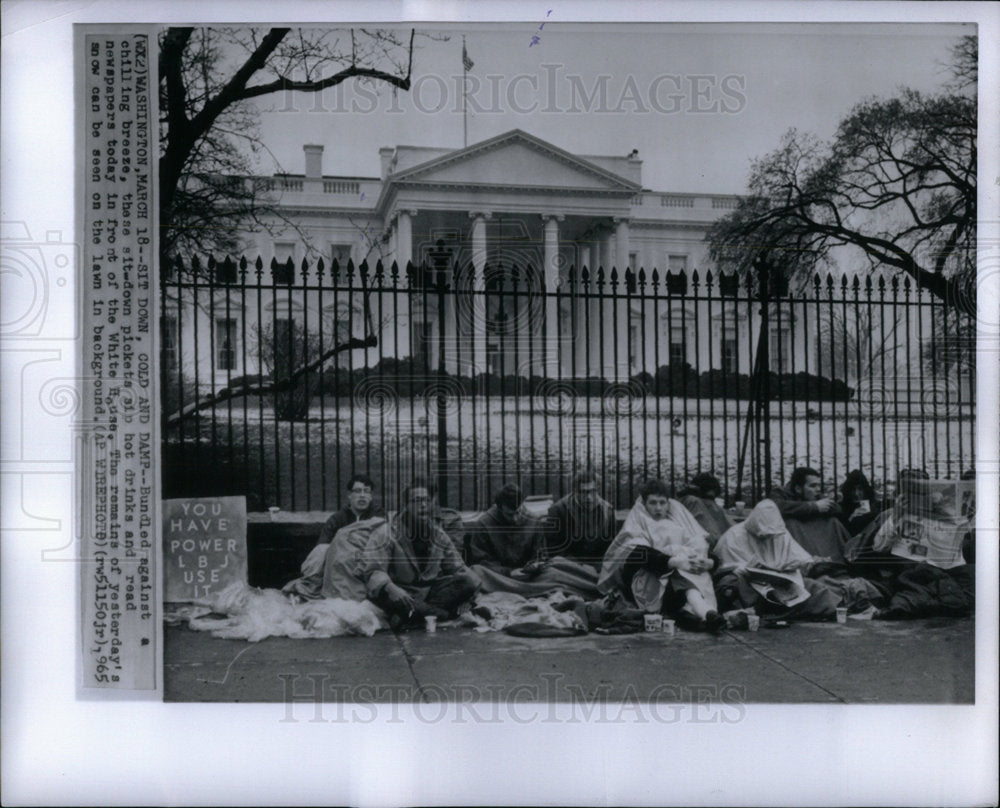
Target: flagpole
[465,117]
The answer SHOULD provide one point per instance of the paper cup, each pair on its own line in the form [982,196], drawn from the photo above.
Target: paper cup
[653,622]
[841,614]
[669,627]
[740,506]
[431,624]
[753,622]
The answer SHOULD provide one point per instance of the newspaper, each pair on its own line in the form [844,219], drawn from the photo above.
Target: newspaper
[780,588]
[933,520]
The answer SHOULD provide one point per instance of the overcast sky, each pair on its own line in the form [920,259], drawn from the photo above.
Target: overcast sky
[697,101]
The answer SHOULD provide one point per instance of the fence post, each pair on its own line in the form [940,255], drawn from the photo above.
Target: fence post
[439,259]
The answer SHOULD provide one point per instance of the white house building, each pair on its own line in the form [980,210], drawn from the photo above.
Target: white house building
[513,206]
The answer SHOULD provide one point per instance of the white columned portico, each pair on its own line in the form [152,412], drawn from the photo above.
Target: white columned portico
[549,358]
[478,307]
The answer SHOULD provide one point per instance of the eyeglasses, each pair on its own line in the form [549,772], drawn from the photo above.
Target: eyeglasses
[362,490]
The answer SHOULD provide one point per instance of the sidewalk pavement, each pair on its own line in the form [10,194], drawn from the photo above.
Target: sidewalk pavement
[862,662]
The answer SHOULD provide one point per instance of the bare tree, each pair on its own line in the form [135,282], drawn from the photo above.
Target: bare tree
[209,79]
[897,183]
[858,343]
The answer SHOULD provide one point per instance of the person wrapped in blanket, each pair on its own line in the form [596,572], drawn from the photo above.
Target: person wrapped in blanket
[330,569]
[858,504]
[659,561]
[811,518]
[762,567]
[581,525]
[699,497]
[502,538]
[921,550]
[507,550]
[410,566]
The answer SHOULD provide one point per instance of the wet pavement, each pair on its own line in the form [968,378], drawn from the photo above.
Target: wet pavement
[928,661]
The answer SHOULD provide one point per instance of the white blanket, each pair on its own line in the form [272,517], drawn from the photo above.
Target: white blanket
[253,614]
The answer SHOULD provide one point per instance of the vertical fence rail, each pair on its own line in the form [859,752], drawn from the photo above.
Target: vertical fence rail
[281,381]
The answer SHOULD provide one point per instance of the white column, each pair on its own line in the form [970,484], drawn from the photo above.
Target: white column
[404,238]
[618,354]
[478,308]
[621,245]
[393,241]
[548,360]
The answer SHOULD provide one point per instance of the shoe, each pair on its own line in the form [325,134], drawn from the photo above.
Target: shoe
[688,622]
[714,622]
[737,620]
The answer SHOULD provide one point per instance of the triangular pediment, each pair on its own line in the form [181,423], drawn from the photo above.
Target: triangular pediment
[516,159]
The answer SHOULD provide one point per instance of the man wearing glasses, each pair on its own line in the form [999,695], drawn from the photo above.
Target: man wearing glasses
[410,567]
[360,505]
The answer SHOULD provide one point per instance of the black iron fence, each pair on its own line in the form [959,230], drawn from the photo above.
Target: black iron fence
[280,381]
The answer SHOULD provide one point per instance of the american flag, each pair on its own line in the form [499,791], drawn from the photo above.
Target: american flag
[467,63]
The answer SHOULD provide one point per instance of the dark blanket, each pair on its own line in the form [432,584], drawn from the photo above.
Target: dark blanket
[922,590]
[558,574]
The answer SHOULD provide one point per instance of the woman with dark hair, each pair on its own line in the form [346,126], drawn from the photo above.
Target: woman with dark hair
[858,505]
[700,498]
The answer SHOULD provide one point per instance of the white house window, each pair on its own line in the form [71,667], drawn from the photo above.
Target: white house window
[226,338]
[780,348]
[168,341]
[677,279]
[283,250]
[633,261]
[728,350]
[341,253]
[678,345]
[634,339]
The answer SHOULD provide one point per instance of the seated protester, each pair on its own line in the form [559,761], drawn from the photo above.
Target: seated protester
[410,566]
[360,505]
[501,539]
[659,561]
[858,505]
[860,552]
[334,570]
[700,499]
[746,553]
[923,552]
[810,519]
[581,525]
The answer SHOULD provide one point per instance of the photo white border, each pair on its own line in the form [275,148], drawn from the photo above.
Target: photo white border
[60,750]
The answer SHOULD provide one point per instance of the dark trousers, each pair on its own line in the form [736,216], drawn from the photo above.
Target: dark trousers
[445,594]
